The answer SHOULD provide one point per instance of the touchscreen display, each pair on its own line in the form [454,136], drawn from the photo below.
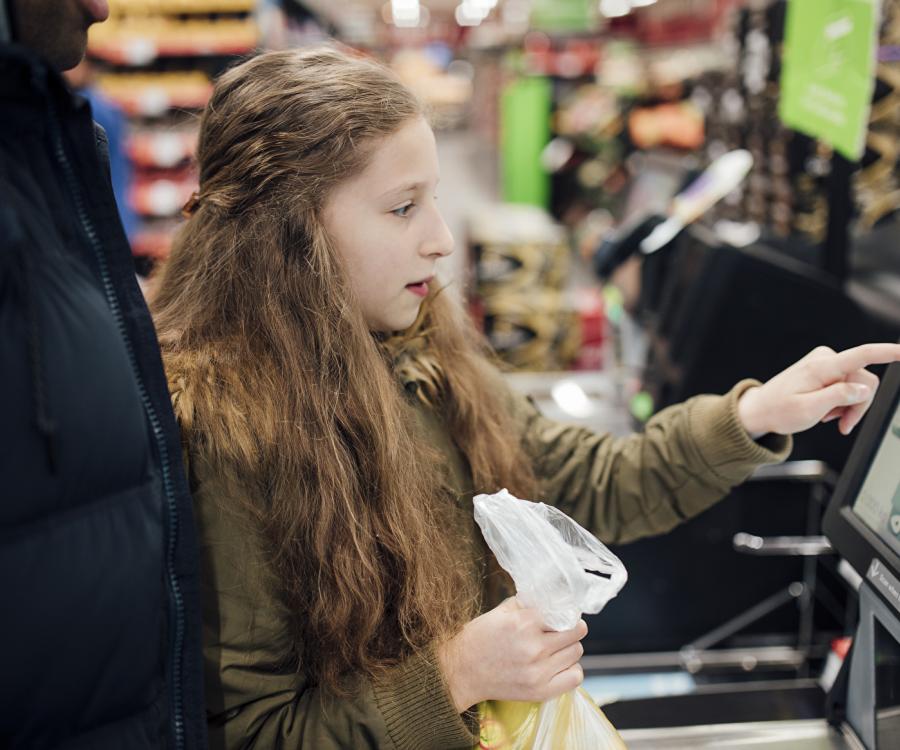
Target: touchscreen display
[887,689]
[878,502]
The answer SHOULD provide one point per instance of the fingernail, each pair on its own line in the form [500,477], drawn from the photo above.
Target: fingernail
[859,393]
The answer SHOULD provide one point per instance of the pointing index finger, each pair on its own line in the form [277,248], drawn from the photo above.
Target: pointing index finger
[850,360]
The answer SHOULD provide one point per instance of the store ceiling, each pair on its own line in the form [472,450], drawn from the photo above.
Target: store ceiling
[331,8]
[430,4]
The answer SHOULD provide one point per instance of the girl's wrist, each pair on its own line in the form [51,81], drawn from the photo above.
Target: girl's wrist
[450,662]
[747,415]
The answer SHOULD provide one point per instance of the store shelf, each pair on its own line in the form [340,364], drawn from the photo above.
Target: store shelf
[154,94]
[156,60]
[181,6]
[162,196]
[140,41]
[153,243]
[161,149]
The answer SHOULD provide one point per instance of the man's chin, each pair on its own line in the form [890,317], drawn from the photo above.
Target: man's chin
[68,58]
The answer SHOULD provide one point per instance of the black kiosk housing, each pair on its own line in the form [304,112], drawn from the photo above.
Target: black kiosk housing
[714,314]
[863,523]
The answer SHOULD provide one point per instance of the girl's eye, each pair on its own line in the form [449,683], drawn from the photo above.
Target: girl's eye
[404,210]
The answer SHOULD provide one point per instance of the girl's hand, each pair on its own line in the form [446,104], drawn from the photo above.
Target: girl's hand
[506,654]
[823,386]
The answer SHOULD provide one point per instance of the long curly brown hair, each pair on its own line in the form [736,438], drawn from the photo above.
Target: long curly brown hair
[278,380]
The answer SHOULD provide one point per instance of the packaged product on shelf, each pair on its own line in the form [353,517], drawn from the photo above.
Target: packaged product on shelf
[534,331]
[520,265]
[155,148]
[139,41]
[157,60]
[154,239]
[152,94]
[590,311]
[163,194]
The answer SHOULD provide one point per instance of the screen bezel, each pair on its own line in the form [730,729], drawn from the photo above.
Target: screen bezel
[849,534]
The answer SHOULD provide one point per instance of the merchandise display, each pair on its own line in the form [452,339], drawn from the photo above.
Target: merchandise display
[155,94]
[156,61]
[521,267]
[876,187]
[142,39]
[787,190]
[447,93]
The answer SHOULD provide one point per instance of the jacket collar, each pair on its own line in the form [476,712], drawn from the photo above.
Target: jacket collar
[28,84]
[415,365]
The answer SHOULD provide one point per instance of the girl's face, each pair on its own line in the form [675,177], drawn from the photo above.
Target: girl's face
[386,226]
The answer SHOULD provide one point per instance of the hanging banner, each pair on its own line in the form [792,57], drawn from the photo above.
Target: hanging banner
[564,16]
[828,70]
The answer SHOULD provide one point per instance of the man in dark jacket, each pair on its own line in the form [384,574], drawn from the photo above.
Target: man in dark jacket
[99,621]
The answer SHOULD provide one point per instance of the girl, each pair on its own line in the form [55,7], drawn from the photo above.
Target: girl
[339,412]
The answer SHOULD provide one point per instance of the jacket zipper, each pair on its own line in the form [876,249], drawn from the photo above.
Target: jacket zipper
[113,302]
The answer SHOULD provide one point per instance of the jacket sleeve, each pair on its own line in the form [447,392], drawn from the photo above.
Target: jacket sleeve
[688,457]
[256,695]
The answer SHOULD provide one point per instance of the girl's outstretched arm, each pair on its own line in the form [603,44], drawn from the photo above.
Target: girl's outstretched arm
[687,457]
[691,454]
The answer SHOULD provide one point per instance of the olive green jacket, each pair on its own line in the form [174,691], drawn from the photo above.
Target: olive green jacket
[687,458]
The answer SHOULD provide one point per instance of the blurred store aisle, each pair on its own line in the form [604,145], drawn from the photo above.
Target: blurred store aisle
[468,183]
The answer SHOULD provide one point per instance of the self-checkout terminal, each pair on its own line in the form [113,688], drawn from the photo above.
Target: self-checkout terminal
[863,523]
[714,313]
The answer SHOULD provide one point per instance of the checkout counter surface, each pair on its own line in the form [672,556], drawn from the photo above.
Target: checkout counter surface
[808,734]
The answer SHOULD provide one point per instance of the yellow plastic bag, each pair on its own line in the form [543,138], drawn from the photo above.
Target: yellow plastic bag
[571,721]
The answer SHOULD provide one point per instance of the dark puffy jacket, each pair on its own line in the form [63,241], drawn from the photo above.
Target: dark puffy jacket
[99,622]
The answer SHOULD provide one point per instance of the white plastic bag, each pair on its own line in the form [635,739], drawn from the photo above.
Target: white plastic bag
[548,556]
[561,571]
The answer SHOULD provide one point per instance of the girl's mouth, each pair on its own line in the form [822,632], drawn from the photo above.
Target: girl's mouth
[420,289]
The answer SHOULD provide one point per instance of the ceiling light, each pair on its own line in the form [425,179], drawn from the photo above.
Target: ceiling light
[406,13]
[466,15]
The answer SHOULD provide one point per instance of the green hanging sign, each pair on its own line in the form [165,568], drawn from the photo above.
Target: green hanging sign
[524,132]
[828,70]
[564,16]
